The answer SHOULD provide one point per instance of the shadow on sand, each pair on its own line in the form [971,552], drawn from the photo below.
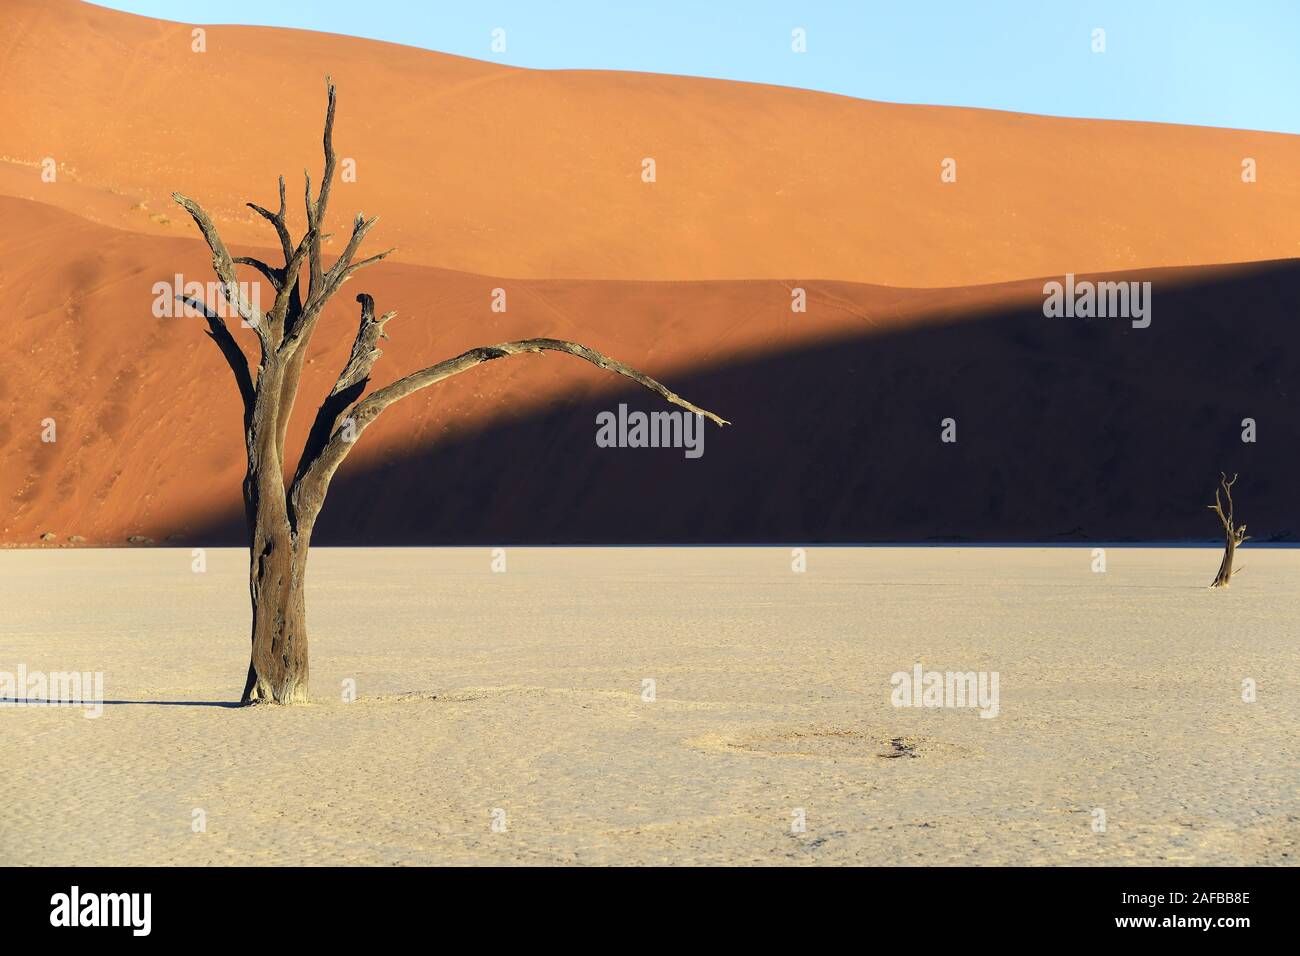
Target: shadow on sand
[37,702]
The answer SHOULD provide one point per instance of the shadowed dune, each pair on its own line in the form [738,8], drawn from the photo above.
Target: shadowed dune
[1068,430]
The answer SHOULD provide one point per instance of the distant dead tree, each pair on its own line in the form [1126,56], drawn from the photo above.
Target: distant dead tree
[280,516]
[1233,535]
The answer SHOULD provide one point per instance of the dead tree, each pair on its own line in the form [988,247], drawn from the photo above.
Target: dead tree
[1232,534]
[281,514]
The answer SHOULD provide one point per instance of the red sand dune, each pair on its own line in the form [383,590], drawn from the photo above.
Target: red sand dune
[480,171]
[495,170]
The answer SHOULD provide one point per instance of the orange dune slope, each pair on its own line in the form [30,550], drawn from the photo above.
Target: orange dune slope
[489,169]
[1068,429]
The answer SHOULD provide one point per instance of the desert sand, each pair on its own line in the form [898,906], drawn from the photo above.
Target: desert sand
[523,692]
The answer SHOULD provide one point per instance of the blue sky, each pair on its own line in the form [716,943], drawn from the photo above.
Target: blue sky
[1209,62]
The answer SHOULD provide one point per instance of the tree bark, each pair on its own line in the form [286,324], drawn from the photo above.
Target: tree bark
[278,669]
[1225,566]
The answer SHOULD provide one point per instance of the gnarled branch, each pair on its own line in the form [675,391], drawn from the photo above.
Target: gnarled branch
[317,467]
[381,399]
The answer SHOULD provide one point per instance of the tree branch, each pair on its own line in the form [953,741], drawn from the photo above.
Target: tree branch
[316,210]
[1225,517]
[286,297]
[299,323]
[350,384]
[277,219]
[312,481]
[329,284]
[224,266]
[235,358]
[377,402]
[364,351]
[334,278]
[273,275]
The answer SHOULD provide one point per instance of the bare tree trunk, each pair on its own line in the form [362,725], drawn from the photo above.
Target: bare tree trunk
[277,669]
[1232,534]
[1225,567]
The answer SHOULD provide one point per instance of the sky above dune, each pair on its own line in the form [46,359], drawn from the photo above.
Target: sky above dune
[1198,62]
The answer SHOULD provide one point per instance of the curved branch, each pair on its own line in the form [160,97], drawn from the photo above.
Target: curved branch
[235,358]
[301,317]
[273,275]
[377,402]
[309,487]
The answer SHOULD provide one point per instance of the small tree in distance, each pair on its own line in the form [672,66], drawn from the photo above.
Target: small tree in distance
[1233,535]
[280,516]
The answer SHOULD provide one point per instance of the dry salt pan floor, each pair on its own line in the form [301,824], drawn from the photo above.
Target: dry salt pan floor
[518,699]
